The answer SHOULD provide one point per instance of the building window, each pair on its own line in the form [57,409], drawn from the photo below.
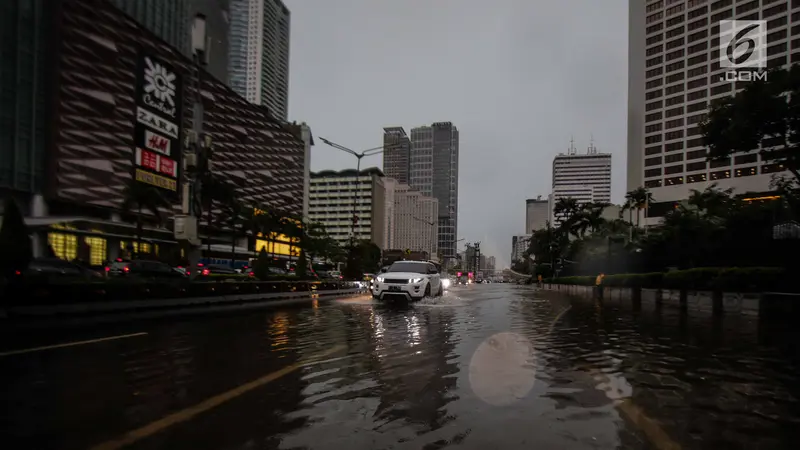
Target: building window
[673,181]
[64,245]
[720,175]
[652,184]
[700,177]
[746,171]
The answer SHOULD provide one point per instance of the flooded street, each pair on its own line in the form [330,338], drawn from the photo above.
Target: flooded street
[486,366]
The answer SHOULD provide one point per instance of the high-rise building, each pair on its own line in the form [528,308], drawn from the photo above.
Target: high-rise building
[258,57]
[415,221]
[518,246]
[26,30]
[336,195]
[537,213]
[491,262]
[390,188]
[396,153]
[674,74]
[585,178]
[168,19]
[217,14]
[433,170]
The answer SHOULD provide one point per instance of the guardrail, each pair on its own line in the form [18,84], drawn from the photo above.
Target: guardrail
[96,301]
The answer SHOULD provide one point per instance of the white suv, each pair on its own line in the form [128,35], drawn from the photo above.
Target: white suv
[411,280]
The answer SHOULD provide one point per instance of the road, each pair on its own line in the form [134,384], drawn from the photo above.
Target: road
[486,366]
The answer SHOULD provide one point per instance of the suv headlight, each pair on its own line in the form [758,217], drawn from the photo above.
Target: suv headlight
[416,280]
[379,279]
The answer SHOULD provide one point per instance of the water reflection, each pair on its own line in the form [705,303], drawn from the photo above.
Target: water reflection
[581,375]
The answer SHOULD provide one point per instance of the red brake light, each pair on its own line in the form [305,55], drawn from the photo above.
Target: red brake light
[251,274]
[206,271]
[126,269]
[17,272]
[108,268]
[199,264]
[119,259]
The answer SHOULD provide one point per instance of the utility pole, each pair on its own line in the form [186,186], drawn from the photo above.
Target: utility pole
[197,151]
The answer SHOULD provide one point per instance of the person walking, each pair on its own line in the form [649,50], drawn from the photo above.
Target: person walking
[598,286]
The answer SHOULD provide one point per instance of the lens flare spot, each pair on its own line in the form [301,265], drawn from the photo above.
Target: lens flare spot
[502,370]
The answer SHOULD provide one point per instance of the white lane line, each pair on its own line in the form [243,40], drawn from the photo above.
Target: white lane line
[71,344]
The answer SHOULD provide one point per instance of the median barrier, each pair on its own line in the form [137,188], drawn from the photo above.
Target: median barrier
[116,296]
[760,291]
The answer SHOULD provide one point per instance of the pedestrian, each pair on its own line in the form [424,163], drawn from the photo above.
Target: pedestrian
[541,282]
[598,286]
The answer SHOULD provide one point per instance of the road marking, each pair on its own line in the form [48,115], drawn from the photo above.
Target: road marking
[206,405]
[71,344]
[650,427]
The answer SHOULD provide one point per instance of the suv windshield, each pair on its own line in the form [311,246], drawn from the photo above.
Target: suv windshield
[409,267]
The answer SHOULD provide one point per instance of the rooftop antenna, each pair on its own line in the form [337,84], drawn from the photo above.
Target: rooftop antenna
[572,150]
[592,149]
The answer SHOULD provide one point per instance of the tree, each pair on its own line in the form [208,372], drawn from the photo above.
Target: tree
[142,197]
[16,250]
[637,199]
[236,217]
[565,208]
[214,189]
[765,115]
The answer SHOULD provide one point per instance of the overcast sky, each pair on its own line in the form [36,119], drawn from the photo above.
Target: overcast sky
[517,77]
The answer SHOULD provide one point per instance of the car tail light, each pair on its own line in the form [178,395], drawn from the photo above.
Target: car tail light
[252,274]
[206,272]
[107,268]
[17,272]
[126,269]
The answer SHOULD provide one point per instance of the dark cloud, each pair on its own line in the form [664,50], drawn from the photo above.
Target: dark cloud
[518,77]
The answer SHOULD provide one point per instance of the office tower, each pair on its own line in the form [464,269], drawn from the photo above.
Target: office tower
[397,148]
[390,189]
[25,47]
[433,170]
[537,213]
[585,178]
[519,244]
[217,14]
[674,74]
[415,221]
[168,19]
[258,58]
[334,198]
[491,263]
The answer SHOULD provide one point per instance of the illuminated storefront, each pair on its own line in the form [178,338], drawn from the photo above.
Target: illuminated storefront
[278,245]
[65,244]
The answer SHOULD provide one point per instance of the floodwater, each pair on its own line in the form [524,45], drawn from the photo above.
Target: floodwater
[486,366]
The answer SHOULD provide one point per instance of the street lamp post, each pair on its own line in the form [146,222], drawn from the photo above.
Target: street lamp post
[433,233]
[359,155]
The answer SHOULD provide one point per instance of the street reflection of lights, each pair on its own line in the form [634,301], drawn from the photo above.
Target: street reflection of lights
[315,304]
[412,323]
[279,329]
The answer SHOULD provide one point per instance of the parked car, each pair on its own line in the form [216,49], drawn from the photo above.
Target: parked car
[410,280]
[143,268]
[217,269]
[58,268]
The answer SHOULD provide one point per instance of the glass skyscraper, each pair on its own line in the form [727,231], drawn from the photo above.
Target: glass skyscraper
[25,28]
[168,19]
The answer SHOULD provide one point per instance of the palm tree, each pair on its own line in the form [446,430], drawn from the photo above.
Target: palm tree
[143,197]
[234,217]
[565,207]
[268,223]
[637,199]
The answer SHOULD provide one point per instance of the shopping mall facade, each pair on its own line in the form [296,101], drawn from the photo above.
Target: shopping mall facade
[82,116]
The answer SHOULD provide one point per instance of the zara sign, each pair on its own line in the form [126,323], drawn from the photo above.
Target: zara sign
[157,130]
